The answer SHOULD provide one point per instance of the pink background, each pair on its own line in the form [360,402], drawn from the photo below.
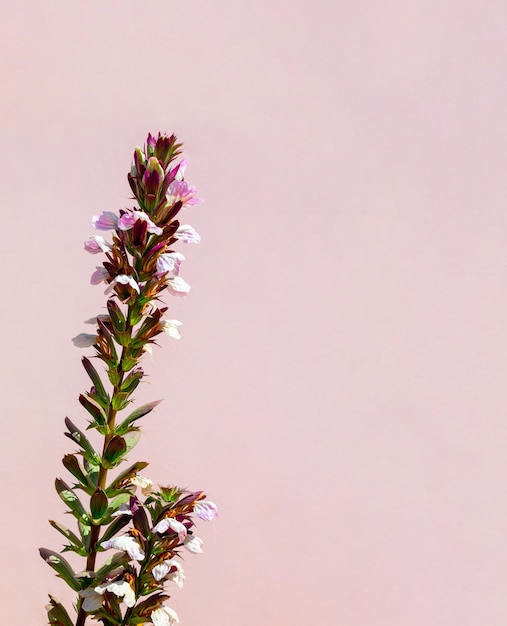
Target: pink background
[340,387]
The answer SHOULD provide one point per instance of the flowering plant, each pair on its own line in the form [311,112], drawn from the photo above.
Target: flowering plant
[145,525]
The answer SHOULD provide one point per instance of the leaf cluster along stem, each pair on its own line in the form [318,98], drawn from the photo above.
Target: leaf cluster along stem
[102,476]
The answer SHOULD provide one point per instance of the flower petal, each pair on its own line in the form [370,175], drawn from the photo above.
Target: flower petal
[206,510]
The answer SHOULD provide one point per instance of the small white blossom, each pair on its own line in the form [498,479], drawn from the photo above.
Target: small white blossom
[146,484]
[172,328]
[164,616]
[177,286]
[162,571]
[193,544]
[122,279]
[127,544]
[187,234]
[170,523]
[121,589]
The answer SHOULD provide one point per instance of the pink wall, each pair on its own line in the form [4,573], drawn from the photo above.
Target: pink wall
[340,387]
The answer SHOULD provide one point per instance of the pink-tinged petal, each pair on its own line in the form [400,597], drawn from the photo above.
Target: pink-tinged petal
[206,510]
[172,524]
[127,221]
[126,543]
[100,275]
[96,244]
[182,168]
[187,234]
[106,221]
[171,571]
[177,286]
[122,279]
[193,544]
[169,262]
[172,328]
[180,190]
[84,340]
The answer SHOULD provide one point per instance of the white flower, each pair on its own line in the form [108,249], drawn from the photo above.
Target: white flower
[169,522]
[206,510]
[164,616]
[92,601]
[162,571]
[84,340]
[122,279]
[121,589]
[171,327]
[127,544]
[145,483]
[177,286]
[193,544]
[187,234]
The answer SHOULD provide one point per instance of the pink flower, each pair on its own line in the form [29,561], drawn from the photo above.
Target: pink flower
[187,234]
[122,279]
[206,510]
[180,190]
[177,286]
[173,524]
[169,262]
[127,221]
[96,244]
[100,275]
[106,221]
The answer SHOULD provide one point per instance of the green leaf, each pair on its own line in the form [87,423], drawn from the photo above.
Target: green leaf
[78,437]
[143,410]
[116,448]
[94,409]
[118,558]
[57,613]
[68,534]
[71,463]
[71,500]
[132,381]
[131,439]
[61,567]
[85,531]
[98,505]
[96,380]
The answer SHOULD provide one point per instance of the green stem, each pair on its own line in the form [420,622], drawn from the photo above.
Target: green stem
[102,477]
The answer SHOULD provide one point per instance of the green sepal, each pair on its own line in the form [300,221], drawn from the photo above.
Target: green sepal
[98,505]
[118,482]
[71,463]
[77,544]
[141,411]
[140,520]
[132,381]
[96,380]
[92,470]
[94,409]
[117,318]
[128,362]
[78,437]
[114,377]
[123,338]
[61,567]
[116,448]
[132,439]
[57,614]
[71,500]
[110,341]
[120,401]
